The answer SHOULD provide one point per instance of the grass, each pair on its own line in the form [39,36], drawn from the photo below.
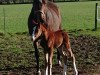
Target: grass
[75,16]
[79,16]
[16,17]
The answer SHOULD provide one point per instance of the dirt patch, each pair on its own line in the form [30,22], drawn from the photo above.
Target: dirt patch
[17,56]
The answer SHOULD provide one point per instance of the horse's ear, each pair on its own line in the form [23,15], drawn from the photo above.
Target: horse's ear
[44,1]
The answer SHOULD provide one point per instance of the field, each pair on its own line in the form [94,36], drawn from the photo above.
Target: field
[17,53]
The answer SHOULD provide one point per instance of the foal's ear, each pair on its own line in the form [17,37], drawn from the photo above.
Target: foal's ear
[44,1]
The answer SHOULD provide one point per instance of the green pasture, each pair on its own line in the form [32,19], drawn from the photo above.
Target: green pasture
[16,50]
[76,16]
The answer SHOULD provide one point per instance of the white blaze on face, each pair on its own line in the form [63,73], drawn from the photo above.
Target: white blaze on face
[33,34]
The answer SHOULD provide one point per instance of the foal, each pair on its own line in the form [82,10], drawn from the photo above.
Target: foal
[49,40]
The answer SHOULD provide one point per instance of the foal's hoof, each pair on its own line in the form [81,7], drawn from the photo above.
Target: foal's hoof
[59,62]
[76,73]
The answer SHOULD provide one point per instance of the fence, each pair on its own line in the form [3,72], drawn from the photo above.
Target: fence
[13,18]
[27,1]
[30,1]
[96,15]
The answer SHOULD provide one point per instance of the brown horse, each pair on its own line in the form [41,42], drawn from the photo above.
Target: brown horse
[54,39]
[45,12]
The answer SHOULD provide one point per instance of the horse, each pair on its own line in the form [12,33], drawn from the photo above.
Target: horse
[45,12]
[54,39]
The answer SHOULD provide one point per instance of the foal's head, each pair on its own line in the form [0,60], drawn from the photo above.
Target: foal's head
[38,31]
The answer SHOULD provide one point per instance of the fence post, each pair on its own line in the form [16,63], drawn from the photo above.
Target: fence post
[4,20]
[96,16]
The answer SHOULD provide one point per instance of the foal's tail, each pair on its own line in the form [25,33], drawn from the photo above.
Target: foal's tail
[66,39]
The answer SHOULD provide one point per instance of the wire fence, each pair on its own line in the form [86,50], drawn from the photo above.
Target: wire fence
[13,18]
[97,15]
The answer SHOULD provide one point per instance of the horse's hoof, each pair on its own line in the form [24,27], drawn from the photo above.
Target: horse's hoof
[39,72]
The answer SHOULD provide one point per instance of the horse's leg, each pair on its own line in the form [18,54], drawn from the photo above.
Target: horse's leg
[58,57]
[46,63]
[63,54]
[37,58]
[46,53]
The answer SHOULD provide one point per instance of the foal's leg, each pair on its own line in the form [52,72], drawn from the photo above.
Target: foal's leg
[65,65]
[74,60]
[50,60]
[67,45]
[74,64]
[46,63]
[37,57]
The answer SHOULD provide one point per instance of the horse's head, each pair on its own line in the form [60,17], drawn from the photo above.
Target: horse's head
[38,31]
[39,8]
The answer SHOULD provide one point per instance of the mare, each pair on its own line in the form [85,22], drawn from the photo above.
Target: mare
[54,39]
[45,12]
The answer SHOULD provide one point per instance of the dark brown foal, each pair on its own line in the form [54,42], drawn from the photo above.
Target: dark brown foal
[49,40]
